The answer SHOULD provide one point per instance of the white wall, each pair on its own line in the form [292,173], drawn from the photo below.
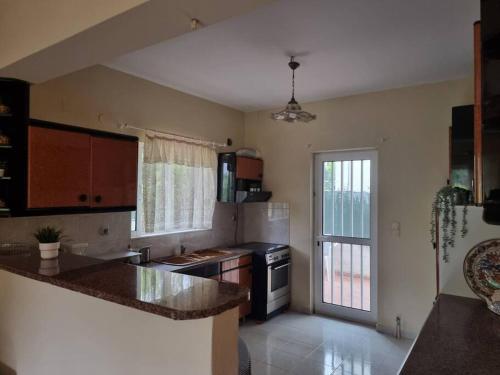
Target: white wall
[409,127]
[47,22]
[451,274]
[79,98]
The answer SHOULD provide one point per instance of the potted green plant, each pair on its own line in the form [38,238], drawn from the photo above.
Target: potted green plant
[48,241]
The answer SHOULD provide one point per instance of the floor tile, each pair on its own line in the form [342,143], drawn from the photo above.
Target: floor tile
[260,368]
[327,356]
[311,368]
[275,357]
[297,348]
[294,343]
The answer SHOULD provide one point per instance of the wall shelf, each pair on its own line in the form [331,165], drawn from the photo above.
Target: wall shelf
[15,94]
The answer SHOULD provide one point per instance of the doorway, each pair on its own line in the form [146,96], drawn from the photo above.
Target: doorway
[345,246]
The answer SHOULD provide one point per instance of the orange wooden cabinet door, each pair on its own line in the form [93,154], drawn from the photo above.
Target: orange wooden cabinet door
[58,168]
[248,168]
[235,263]
[114,172]
[243,277]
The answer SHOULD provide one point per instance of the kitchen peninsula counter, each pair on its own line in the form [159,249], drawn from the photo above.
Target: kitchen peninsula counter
[81,315]
[156,291]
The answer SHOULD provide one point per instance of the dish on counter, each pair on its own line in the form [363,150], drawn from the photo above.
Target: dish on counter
[482,272]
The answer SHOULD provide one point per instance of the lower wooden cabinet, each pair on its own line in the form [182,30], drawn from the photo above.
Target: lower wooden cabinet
[241,275]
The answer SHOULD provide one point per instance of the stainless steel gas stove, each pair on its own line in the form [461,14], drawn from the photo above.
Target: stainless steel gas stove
[271,278]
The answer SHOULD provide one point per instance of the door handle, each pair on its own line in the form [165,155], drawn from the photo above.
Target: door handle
[280,267]
[82,197]
[98,199]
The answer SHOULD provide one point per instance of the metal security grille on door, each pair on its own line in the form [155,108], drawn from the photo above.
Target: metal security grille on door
[344,251]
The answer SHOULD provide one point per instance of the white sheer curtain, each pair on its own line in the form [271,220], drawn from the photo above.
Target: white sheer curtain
[178,185]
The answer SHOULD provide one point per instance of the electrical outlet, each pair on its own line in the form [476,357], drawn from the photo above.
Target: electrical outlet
[396,228]
[104,230]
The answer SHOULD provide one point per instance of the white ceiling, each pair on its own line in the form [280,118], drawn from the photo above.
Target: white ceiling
[344,46]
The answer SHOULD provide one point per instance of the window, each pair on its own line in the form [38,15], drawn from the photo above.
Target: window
[176,188]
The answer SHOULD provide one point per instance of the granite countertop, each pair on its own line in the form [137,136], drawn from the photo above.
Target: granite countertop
[156,291]
[460,336]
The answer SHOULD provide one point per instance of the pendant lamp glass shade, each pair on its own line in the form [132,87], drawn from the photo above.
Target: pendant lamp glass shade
[293,111]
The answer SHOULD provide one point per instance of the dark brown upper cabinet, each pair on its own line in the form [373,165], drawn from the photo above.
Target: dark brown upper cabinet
[490,42]
[487,110]
[478,114]
[239,179]
[14,115]
[462,152]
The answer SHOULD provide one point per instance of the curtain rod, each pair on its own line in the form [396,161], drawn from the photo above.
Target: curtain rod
[173,135]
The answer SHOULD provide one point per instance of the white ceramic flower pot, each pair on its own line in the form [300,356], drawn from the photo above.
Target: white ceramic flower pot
[49,250]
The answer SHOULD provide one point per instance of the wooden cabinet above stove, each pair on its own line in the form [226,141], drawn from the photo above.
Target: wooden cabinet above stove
[249,168]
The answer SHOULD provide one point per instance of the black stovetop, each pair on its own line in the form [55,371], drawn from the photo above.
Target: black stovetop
[262,247]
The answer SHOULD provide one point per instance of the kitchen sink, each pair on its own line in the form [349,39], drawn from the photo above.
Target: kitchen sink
[192,258]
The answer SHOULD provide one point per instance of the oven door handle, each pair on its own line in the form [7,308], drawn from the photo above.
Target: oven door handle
[280,267]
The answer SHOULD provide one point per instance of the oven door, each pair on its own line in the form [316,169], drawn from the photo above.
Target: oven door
[278,279]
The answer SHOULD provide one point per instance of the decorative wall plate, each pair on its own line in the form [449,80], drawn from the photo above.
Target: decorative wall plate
[482,272]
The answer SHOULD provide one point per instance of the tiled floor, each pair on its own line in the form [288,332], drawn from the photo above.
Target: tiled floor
[294,343]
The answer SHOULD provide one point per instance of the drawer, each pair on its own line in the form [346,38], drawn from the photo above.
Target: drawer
[241,276]
[235,263]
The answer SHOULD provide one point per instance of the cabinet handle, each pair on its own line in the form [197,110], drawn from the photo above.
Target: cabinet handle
[98,199]
[82,197]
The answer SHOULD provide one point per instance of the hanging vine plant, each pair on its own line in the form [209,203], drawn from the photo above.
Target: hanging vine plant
[444,206]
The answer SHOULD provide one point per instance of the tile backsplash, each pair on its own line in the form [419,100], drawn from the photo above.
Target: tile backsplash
[222,234]
[80,228]
[264,222]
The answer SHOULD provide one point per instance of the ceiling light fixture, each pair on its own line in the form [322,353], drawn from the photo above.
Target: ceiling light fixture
[293,111]
[195,24]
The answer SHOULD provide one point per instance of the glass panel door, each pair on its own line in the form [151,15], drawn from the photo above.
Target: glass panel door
[345,247]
